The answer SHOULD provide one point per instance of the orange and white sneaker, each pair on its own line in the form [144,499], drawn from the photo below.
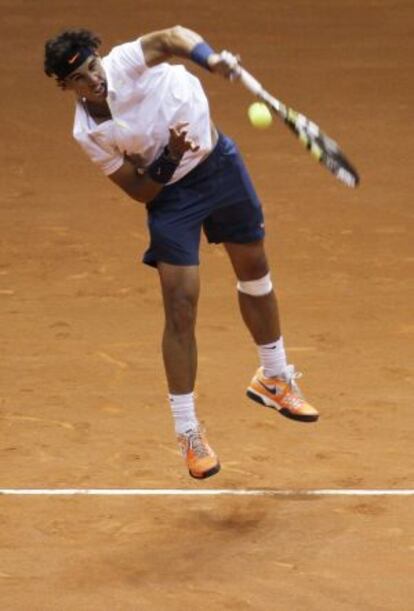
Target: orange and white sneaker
[283,394]
[201,460]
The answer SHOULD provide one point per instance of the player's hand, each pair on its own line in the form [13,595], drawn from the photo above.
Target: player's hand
[179,142]
[226,64]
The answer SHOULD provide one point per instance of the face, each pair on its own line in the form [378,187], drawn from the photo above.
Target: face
[89,80]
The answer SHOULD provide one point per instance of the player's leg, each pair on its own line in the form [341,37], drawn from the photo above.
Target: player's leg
[260,313]
[258,303]
[274,383]
[180,287]
[180,290]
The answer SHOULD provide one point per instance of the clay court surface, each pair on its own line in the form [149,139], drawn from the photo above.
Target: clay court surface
[83,396]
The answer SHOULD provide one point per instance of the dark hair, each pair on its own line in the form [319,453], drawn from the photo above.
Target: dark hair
[66,43]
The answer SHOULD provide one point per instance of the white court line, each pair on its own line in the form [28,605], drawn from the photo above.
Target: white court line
[206,492]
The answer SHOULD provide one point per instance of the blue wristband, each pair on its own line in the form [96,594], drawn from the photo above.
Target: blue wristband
[200,54]
[162,169]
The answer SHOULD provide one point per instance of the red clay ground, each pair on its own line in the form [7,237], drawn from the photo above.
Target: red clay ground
[82,387]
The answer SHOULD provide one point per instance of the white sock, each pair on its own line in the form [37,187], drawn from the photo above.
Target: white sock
[183,411]
[273,358]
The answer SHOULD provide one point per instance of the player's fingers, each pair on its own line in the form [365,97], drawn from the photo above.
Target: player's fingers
[230,60]
[179,126]
[177,136]
[235,74]
[229,65]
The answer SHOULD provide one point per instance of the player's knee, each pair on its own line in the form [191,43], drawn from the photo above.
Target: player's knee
[181,312]
[254,265]
[256,288]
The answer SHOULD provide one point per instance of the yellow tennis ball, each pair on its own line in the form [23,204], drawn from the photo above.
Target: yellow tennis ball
[259,115]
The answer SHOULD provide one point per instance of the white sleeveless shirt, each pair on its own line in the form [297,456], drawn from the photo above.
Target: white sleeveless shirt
[144,103]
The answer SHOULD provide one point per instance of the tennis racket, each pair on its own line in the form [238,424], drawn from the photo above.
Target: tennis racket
[321,147]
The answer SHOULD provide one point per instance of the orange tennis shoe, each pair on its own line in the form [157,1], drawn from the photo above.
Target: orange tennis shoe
[201,460]
[282,394]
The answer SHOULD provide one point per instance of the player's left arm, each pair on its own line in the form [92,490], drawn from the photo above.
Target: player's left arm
[178,41]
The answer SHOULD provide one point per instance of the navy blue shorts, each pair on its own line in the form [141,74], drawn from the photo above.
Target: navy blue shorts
[217,195]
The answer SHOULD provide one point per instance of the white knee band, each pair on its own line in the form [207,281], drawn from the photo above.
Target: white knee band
[256,288]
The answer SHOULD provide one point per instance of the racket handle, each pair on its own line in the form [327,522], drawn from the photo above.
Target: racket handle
[258,90]
[250,82]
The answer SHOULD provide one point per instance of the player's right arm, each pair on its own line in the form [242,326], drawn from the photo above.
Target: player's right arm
[178,41]
[143,186]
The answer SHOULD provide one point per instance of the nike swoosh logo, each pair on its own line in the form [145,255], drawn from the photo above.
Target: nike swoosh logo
[269,347]
[271,389]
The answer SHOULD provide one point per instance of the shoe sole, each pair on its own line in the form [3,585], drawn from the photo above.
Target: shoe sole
[283,411]
[208,473]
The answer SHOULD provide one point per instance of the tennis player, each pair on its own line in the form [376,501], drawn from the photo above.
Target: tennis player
[146,124]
